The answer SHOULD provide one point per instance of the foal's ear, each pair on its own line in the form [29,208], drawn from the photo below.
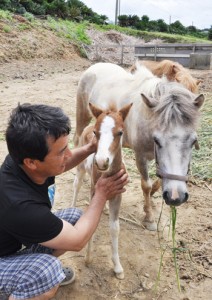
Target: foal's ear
[95,110]
[198,102]
[150,102]
[124,111]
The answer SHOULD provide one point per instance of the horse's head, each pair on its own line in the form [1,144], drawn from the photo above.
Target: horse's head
[173,130]
[108,129]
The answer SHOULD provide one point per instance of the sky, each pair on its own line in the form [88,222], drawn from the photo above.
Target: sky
[189,12]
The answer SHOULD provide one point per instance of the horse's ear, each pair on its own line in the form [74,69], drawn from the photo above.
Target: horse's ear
[95,110]
[150,102]
[198,102]
[124,111]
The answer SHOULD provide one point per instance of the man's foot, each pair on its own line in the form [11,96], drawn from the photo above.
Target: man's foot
[70,276]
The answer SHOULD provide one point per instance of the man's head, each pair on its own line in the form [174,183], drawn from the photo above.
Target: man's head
[30,127]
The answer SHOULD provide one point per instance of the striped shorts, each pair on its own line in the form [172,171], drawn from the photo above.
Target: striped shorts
[33,271]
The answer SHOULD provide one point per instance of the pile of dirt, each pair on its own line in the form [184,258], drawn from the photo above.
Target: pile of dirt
[32,42]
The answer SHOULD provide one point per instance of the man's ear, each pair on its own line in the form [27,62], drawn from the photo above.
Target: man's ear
[30,163]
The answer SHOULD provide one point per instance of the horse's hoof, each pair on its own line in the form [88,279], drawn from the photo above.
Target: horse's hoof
[120,275]
[152,226]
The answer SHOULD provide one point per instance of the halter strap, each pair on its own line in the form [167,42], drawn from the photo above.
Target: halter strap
[171,176]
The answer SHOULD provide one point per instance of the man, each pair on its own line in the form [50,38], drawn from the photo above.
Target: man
[31,236]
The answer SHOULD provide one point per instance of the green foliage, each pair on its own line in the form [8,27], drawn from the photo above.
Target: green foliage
[6,15]
[7,29]
[210,34]
[71,30]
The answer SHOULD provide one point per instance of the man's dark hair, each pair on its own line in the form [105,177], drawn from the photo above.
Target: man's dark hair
[29,127]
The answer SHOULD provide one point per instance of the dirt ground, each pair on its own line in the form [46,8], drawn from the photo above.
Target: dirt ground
[38,67]
[55,82]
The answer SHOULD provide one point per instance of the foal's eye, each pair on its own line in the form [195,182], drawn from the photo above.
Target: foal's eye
[120,133]
[157,142]
[94,132]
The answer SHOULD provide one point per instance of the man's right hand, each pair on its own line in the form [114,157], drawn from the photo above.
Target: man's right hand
[112,185]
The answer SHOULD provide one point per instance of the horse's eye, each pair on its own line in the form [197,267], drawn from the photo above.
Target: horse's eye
[157,142]
[94,132]
[120,133]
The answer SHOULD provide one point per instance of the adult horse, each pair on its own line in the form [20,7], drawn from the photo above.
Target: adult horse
[172,70]
[161,124]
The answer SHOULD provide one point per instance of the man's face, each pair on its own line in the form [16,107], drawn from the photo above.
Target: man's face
[55,161]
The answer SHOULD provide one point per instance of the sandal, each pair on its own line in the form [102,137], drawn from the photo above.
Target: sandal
[70,276]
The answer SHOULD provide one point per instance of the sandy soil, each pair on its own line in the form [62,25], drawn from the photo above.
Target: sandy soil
[54,82]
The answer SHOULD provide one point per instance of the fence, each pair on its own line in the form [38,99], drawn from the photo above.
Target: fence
[176,52]
[127,54]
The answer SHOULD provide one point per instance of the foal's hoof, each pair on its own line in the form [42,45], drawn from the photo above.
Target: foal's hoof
[151,226]
[120,275]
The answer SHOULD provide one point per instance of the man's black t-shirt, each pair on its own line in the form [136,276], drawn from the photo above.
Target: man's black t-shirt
[25,210]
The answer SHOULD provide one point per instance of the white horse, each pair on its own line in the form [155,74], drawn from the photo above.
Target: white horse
[108,130]
[161,124]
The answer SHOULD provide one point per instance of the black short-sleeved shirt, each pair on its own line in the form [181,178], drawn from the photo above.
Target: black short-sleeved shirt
[25,210]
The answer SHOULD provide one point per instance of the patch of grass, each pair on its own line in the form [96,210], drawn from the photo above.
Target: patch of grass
[148,36]
[201,165]
[5,15]
[7,28]
[76,32]
[23,26]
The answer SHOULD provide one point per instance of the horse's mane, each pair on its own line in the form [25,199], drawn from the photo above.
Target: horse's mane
[172,70]
[176,106]
[145,80]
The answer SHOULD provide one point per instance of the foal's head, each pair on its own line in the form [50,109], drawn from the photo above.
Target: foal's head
[108,129]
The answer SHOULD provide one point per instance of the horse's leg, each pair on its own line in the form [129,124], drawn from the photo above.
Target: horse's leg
[83,114]
[80,173]
[83,118]
[155,186]
[114,206]
[146,185]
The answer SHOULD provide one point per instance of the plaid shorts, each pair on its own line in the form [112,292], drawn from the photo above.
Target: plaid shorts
[33,271]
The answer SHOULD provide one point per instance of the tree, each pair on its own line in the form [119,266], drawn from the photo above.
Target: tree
[177,28]
[123,20]
[210,34]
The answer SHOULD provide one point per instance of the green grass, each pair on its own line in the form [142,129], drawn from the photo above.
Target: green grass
[201,166]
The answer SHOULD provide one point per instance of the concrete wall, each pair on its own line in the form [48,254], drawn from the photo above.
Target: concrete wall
[200,61]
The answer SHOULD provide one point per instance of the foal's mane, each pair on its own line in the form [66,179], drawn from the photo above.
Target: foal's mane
[176,107]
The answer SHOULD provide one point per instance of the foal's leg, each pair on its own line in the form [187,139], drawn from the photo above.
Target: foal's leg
[114,206]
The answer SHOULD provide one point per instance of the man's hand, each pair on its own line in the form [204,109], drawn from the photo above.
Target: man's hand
[112,185]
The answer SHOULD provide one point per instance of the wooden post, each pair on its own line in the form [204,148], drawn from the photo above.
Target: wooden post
[122,54]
